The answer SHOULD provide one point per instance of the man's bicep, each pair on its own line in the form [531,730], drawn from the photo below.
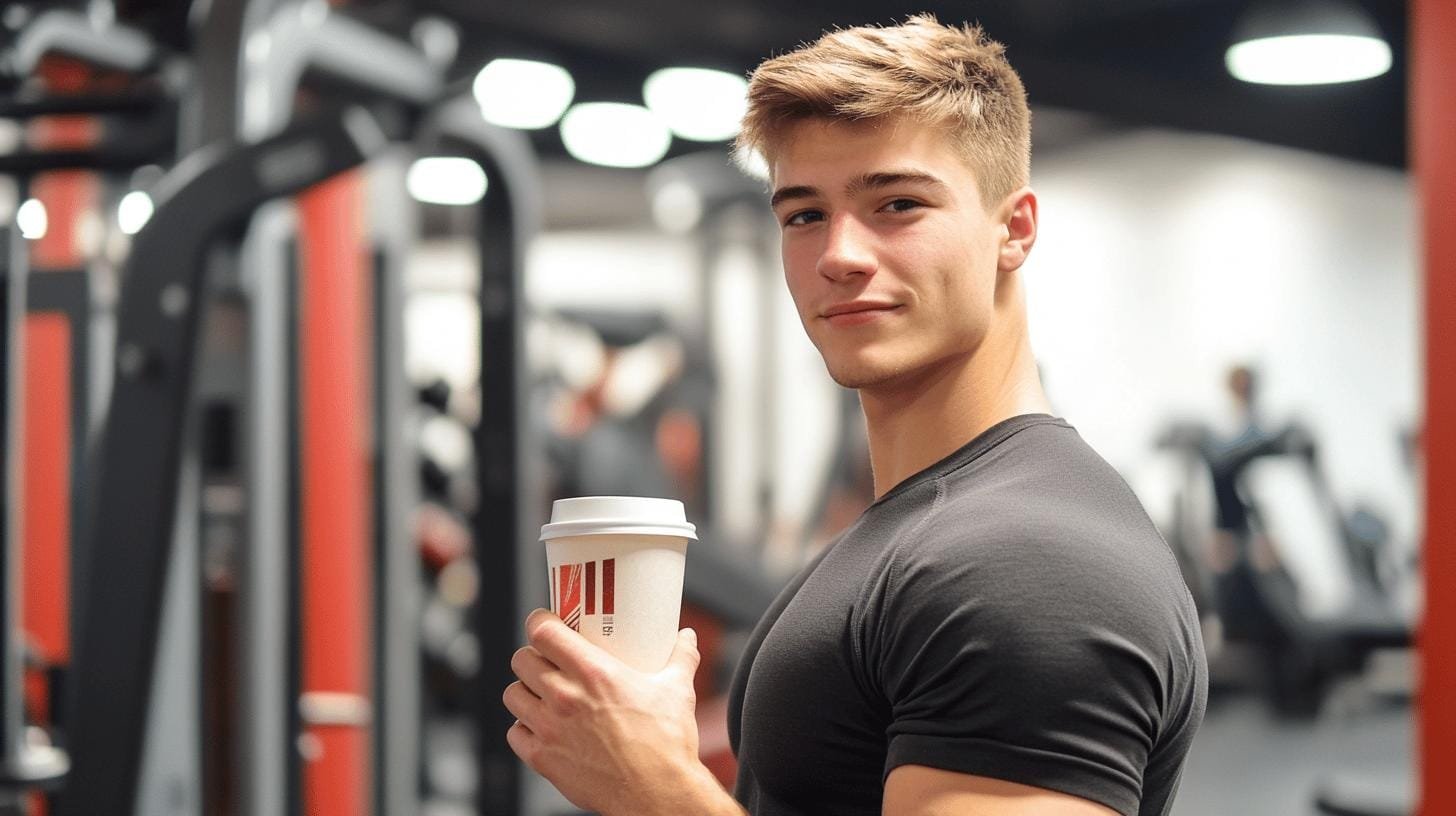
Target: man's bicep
[917,790]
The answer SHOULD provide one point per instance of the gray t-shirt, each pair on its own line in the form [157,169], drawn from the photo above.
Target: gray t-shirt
[1008,612]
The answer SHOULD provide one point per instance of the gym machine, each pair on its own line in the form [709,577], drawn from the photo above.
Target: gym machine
[168,359]
[1257,598]
[50,385]
[134,487]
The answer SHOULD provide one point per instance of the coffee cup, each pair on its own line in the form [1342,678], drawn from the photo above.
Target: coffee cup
[616,572]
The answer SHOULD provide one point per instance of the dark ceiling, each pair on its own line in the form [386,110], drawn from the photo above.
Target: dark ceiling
[1140,62]
[1135,62]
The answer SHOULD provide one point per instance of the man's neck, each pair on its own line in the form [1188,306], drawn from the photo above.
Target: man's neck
[913,426]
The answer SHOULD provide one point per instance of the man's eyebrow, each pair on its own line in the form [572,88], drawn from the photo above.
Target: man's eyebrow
[785,193]
[888,178]
[859,184]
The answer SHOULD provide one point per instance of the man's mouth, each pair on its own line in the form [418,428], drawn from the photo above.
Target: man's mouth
[858,312]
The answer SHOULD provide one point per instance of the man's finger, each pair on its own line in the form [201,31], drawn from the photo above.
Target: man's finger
[540,675]
[524,743]
[522,704]
[556,642]
[685,656]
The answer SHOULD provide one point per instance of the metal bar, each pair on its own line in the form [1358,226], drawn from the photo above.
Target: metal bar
[393,219]
[74,34]
[301,36]
[352,51]
[28,162]
[127,104]
[506,521]
[292,641]
[169,775]
[135,477]
[12,315]
[264,594]
[60,290]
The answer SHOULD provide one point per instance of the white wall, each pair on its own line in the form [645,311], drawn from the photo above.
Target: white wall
[1164,258]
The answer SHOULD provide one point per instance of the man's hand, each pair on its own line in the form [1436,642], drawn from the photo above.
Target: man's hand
[612,739]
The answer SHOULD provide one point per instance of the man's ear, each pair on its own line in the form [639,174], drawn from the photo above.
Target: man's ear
[1018,217]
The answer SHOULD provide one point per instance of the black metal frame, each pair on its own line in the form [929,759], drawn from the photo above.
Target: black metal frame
[498,519]
[504,524]
[134,478]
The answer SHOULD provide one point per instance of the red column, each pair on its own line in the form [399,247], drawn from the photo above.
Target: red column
[335,445]
[46,444]
[46,457]
[68,197]
[1433,122]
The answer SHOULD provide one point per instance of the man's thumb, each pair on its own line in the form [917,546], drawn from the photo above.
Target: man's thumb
[685,653]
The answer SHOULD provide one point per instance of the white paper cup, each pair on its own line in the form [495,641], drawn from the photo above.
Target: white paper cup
[616,572]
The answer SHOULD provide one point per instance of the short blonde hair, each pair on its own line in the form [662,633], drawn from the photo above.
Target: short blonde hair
[953,77]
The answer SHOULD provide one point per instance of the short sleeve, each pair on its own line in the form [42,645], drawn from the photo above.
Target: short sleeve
[1032,662]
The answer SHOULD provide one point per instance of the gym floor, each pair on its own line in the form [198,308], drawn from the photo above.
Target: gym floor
[1247,763]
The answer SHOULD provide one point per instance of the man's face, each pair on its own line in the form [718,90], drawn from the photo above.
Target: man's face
[889,254]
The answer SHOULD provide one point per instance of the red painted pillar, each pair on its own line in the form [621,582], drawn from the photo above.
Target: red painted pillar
[336,487]
[1433,123]
[69,197]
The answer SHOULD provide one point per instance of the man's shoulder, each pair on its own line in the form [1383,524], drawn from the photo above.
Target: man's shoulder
[1033,543]
[1045,487]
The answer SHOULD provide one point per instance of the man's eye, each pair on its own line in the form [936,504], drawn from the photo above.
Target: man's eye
[803,217]
[902,205]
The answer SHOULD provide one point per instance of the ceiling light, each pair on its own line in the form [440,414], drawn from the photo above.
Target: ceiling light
[614,134]
[133,211]
[1314,42]
[523,93]
[446,180]
[32,220]
[698,103]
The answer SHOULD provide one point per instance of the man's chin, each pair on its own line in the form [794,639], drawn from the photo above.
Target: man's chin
[861,375]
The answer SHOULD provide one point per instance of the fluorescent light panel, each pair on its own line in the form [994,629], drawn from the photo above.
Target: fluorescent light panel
[446,180]
[613,134]
[523,94]
[1308,59]
[698,103]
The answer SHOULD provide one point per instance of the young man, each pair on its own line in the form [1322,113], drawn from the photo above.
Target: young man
[1003,631]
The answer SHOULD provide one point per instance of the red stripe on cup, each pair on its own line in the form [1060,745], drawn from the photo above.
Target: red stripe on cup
[570,592]
[609,586]
[591,588]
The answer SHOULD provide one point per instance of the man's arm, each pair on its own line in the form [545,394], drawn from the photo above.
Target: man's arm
[915,790]
[612,739]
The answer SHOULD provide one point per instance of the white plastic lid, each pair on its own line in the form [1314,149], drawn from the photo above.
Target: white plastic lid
[612,515]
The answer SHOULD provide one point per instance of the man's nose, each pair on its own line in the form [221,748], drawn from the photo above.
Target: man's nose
[848,250]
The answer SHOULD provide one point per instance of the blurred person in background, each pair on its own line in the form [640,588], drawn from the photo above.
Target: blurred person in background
[1247,432]
[1003,631]
[634,427]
